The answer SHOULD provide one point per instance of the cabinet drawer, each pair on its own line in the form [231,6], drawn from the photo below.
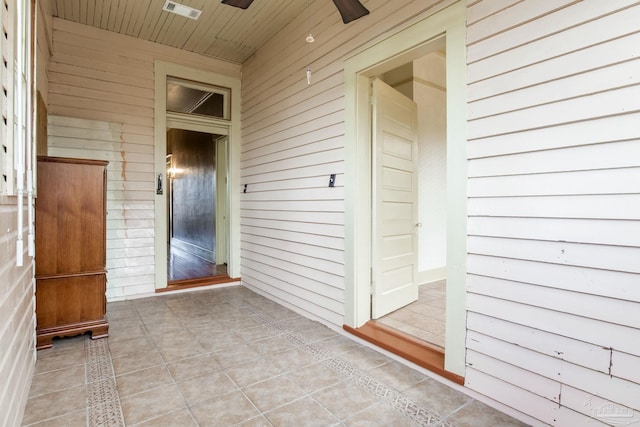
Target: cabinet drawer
[70,300]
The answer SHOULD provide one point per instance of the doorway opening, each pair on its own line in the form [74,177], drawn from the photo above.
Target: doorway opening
[203,101]
[196,208]
[433,252]
[408,146]
[422,312]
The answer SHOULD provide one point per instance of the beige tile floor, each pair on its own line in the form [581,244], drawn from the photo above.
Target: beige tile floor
[425,318]
[229,357]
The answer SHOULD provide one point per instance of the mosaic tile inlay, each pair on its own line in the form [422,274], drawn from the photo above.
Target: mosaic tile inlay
[103,400]
[421,415]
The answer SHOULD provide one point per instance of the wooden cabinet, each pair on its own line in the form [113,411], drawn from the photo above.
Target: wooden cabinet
[70,249]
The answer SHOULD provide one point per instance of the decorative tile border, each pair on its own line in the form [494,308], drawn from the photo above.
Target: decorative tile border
[103,400]
[419,414]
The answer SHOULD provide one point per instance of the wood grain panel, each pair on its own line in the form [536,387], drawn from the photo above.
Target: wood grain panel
[406,346]
[81,221]
[69,300]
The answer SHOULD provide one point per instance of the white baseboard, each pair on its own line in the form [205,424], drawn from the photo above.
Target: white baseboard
[432,275]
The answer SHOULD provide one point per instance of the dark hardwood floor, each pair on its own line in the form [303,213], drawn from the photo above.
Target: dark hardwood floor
[184,266]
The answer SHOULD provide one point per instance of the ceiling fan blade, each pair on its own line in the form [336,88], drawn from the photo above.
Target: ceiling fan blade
[350,10]
[242,4]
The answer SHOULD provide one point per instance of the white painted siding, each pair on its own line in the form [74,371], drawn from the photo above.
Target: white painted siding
[130,194]
[292,140]
[44,43]
[554,196]
[17,320]
[17,302]
[101,101]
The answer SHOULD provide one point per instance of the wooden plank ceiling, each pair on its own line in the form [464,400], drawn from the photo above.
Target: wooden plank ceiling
[222,31]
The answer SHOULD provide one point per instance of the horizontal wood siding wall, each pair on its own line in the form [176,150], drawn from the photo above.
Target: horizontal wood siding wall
[554,208]
[17,302]
[292,223]
[44,38]
[101,100]
[17,320]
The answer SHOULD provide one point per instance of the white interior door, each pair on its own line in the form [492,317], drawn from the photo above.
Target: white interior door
[394,198]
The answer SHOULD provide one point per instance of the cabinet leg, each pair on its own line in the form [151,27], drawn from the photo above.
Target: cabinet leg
[97,330]
[100,332]
[44,342]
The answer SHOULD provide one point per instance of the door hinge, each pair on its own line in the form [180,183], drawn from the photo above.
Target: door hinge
[372,283]
[372,286]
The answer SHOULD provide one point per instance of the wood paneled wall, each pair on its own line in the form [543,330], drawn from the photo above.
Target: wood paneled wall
[101,107]
[192,192]
[554,202]
[292,140]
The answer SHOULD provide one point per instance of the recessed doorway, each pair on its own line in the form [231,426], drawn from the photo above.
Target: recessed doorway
[196,208]
[446,28]
[204,101]
[422,81]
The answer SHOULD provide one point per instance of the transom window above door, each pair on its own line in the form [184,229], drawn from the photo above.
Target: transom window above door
[184,96]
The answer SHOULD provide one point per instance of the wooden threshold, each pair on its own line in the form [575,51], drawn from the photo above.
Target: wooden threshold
[177,285]
[406,346]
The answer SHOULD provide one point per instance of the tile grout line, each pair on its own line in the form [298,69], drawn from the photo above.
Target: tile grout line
[419,414]
[405,405]
[165,363]
[103,399]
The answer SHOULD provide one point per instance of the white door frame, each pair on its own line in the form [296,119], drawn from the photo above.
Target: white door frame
[222,197]
[230,127]
[400,48]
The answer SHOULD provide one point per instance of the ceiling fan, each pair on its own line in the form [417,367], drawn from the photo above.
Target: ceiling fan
[350,10]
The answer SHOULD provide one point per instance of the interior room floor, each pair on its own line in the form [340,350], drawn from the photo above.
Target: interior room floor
[230,357]
[425,318]
[182,266]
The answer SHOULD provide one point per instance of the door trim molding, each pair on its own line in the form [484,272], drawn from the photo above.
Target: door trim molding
[222,198]
[163,69]
[400,48]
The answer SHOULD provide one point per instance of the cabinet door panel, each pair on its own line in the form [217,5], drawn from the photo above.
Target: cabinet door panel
[70,224]
[70,300]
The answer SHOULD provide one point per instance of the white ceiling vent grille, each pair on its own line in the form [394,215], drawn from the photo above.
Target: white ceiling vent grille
[182,10]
